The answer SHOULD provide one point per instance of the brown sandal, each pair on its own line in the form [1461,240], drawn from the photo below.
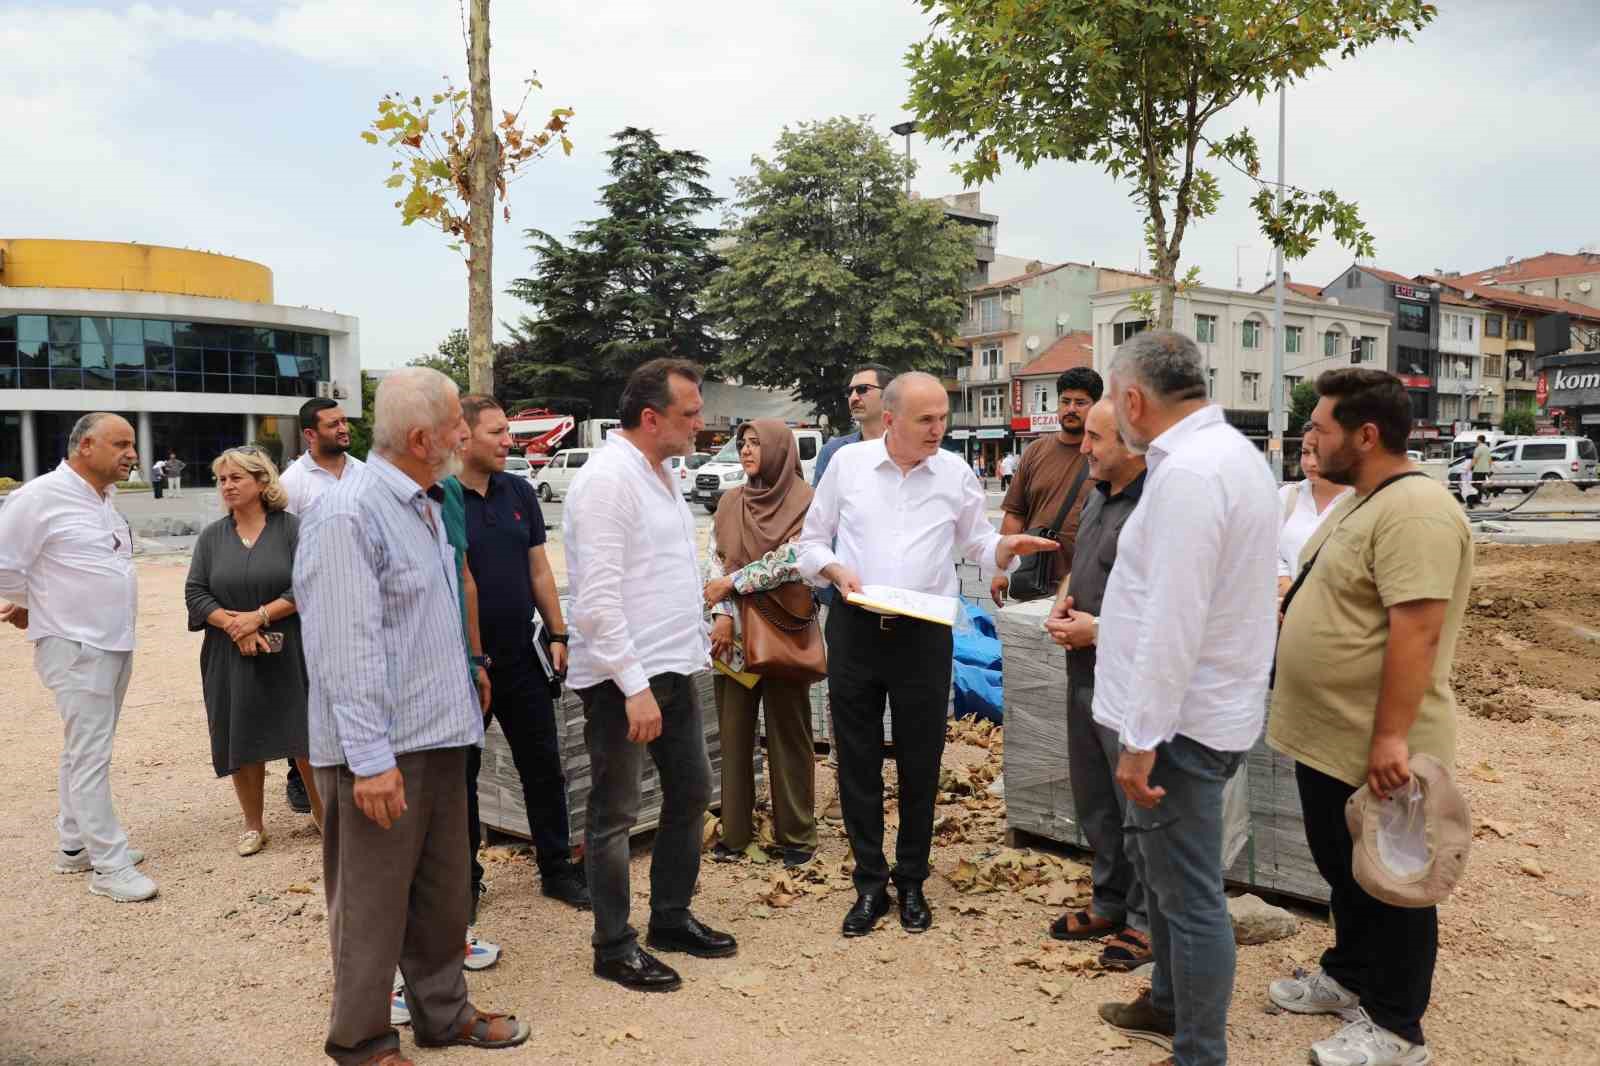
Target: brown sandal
[485,1031]
[1128,950]
[1081,925]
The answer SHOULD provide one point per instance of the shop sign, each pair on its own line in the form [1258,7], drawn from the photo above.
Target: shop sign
[1547,431]
[1016,396]
[1541,389]
[1036,424]
[1425,433]
[993,434]
[1416,381]
[1411,292]
[960,434]
[1590,418]
[1570,386]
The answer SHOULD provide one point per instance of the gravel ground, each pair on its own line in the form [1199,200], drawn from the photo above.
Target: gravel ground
[230,964]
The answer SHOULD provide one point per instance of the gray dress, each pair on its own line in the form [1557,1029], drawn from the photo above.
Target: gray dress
[255,705]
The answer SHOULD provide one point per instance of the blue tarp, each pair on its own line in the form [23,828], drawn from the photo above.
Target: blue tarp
[977,666]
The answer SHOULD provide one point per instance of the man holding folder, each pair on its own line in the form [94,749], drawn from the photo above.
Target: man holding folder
[895,512]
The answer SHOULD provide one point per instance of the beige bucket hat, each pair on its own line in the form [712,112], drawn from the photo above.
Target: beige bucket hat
[1411,850]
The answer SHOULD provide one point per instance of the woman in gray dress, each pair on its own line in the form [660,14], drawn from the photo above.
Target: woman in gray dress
[251,666]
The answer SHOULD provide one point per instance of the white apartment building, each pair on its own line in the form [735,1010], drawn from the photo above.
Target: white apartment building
[1464,393]
[1234,331]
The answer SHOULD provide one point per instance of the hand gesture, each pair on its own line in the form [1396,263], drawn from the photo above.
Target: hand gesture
[242,623]
[717,590]
[1133,774]
[644,717]
[381,797]
[1016,544]
[1060,609]
[1076,630]
[998,588]
[16,615]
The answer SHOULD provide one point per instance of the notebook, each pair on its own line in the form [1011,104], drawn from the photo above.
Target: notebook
[886,599]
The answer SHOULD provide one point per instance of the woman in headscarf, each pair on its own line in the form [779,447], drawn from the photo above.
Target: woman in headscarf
[752,549]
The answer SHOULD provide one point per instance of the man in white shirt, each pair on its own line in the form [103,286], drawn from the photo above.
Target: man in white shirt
[1185,646]
[896,511]
[66,568]
[158,477]
[1008,470]
[325,432]
[637,637]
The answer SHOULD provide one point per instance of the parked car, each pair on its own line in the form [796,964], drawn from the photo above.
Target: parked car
[556,477]
[723,472]
[518,466]
[679,466]
[1530,460]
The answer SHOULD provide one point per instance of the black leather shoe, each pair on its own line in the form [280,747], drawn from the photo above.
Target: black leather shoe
[915,917]
[566,884]
[640,971]
[294,790]
[693,939]
[863,917]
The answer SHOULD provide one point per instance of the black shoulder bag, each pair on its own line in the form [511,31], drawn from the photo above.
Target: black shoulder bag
[1305,571]
[1033,579]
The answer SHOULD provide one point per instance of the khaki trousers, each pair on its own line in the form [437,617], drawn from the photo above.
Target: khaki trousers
[791,764]
[396,896]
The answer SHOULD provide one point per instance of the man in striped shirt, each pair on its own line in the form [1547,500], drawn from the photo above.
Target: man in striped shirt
[392,713]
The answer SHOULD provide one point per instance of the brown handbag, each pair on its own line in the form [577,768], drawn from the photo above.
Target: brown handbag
[782,639]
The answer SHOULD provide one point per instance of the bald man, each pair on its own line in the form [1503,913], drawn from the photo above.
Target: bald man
[896,511]
[66,572]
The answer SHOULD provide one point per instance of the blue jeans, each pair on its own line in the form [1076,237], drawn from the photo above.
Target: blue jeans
[1179,860]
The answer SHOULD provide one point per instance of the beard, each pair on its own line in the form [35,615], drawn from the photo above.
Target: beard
[330,448]
[1131,437]
[1341,466]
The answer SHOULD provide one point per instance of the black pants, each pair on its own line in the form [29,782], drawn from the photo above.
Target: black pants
[157,485]
[521,703]
[870,658]
[1382,953]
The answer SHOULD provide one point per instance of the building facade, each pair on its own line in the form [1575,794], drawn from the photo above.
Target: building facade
[1413,351]
[188,346]
[1034,411]
[1556,275]
[1234,330]
[1461,383]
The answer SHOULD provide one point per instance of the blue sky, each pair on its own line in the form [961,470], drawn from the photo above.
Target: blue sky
[234,129]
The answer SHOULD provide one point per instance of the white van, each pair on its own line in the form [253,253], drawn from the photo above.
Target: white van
[1530,460]
[723,472]
[556,476]
[1465,443]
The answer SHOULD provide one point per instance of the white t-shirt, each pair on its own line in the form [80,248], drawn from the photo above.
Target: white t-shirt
[1008,465]
[1303,521]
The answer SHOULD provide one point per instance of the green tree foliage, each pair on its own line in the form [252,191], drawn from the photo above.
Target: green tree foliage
[1301,403]
[361,428]
[831,266]
[1519,421]
[1131,85]
[627,288]
[450,359]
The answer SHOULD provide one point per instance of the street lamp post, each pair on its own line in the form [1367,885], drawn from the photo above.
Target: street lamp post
[1276,415]
[906,129]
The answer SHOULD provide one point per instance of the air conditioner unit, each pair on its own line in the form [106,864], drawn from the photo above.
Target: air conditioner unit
[324,390]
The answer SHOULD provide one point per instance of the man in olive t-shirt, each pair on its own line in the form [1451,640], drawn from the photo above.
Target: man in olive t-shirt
[1363,682]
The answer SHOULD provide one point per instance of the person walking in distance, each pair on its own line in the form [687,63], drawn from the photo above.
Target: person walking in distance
[1482,463]
[865,396]
[392,710]
[1048,490]
[1008,470]
[1117,908]
[506,554]
[325,435]
[67,577]
[1363,684]
[173,468]
[637,636]
[1184,650]
[896,511]
[753,552]
[158,477]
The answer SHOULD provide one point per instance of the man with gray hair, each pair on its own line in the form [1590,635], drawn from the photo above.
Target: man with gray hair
[1185,645]
[66,568]
[392,713]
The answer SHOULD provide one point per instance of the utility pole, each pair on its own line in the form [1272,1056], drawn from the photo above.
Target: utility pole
[906,129]
[1276,416]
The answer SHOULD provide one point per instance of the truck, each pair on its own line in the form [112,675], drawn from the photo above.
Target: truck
[539,433]
[723,471]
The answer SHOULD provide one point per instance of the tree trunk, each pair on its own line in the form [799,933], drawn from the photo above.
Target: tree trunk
[483,173]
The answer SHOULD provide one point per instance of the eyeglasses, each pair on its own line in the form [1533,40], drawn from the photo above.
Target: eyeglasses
[1075,404]
[860,390]
[748,441]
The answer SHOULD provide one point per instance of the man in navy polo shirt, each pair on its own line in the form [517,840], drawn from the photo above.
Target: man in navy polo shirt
[505,552]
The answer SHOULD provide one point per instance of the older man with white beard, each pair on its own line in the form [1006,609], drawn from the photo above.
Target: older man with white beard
[392,713]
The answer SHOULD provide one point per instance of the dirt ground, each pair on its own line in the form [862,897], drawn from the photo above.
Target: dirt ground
[230,964]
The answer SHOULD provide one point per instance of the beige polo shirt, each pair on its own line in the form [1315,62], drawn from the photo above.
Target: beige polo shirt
[1410,542]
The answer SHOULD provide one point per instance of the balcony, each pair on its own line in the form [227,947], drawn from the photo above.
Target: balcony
[991,373]
[991,324]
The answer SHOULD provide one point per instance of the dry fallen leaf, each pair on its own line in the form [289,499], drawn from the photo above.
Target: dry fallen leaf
[299,886]
[1531,868]
[1484,772]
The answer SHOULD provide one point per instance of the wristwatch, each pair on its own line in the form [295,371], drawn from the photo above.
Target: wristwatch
[481,660]
[558,638]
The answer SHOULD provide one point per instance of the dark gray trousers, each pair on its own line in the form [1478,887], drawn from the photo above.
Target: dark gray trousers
[1101,806]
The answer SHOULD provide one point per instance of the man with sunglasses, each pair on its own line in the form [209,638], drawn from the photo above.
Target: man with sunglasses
[865,394]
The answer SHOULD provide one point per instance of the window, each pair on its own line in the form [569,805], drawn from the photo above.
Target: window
[989,358]
[986,312]
[576,459]
[1586,449]
[808,448]
[1491,366]
[1488,405]
[1519,329]
[1412,317]
[1250,386]
[1289,383]
[1205,329]
[1041,399]
[1532,452]
[1291,338]
[1330,344]
[1467,326]
[1121,331]
[1414,360]
[1491,326]
[989,404]
[1503,453]
[1447,408]
[1251,335]
[1369,349]
[1352,280]
[1419,405]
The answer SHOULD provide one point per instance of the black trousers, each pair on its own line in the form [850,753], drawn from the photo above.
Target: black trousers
[872,658]
[521,703]
[1382,953]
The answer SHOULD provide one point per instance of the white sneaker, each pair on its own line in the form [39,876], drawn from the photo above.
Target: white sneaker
[1363,1043]
[399,1013]
[1314,993]
[480,954]
[126,885]
[82,864]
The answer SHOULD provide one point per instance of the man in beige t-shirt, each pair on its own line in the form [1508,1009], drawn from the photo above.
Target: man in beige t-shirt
[1363,682]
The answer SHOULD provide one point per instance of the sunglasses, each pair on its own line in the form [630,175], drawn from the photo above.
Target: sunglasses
[860,390]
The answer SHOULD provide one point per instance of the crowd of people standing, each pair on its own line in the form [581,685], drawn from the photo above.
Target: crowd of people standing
[366,621]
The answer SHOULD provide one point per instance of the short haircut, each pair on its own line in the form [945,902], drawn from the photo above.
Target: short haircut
[474,404]
[1165,362]
[881,372]
[84,427]
[254,461]
[650,386]
[1361,395]
[311,411]
[898,385]
[1482,439]
[1083,379]
[411,398]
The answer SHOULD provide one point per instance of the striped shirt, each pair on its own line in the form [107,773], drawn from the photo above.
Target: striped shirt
[375,580]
